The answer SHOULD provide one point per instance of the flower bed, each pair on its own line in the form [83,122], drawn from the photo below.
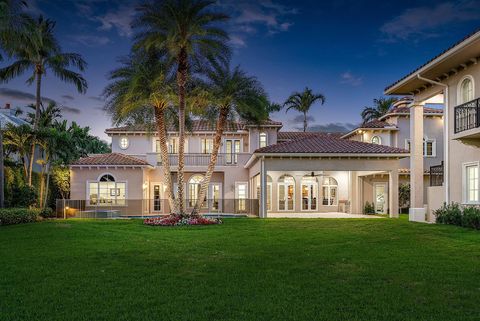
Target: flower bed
[178,220]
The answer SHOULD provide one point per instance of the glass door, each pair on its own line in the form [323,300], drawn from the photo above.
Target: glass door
[381,198]
[215,195]
[157,201]
[241,196]
[232,149]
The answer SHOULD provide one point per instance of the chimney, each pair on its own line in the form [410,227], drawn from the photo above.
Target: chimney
[7,106]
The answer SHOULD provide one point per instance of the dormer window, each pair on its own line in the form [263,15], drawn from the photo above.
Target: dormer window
[263,141]
[376,140]
[123,143]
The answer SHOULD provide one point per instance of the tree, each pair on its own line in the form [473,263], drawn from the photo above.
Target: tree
[140,84]
[38,51]
[18,139]
[302,102]
[235,96]
[381,106]
[188,33]
[12,23]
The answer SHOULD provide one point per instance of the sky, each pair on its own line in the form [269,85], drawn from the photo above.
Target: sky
[347,50]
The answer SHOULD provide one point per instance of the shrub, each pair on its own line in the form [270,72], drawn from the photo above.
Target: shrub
[471,217]
[369,208]
[454,214]
[10,216]
[47,212]
[24,196]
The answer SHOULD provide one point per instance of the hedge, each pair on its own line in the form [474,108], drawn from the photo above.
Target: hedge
[454,214]
[10,216]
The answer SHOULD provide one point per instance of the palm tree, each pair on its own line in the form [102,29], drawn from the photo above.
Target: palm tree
[302,102]
[37,51]
[380,108]
[18,139]
[189,35]
[235,96]
[142,83]
[12,23]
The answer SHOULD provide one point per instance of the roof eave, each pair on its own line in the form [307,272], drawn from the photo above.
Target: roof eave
[341,155]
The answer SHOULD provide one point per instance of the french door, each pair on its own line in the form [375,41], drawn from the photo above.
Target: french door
[381,198]
[232,149]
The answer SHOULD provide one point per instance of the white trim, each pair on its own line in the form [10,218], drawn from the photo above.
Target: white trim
[386,202]
[465,183]
[301,195]
[106,173]
[237,198]
[152,199]
[286,193]
[87,190]
[379,140]
[259,139]
[459,89]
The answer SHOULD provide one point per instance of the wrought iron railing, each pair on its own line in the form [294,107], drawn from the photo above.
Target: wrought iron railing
[436,175]
[467,116]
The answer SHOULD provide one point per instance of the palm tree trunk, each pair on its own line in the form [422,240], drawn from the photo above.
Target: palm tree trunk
[222,120]
[47,186]
[35,123]
[182,81]
[304,121]
[2,173]
[42,184]
[167,176]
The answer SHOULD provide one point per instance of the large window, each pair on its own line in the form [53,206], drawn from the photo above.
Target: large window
[471,183]
[269,192]
[263,140]
[286,193]
[194,185]
[232,149]
[466,93]
[172,145]
[106,191]
[207,145]
[241,190]
[330,188]
[309,193]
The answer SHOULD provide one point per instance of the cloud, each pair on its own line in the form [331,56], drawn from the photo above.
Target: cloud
[91,40]
[299,119]
[96,98]
[119,19]
[332,127]
[350,79]
[420,23]
[19,95]
[68,97]
[71,110]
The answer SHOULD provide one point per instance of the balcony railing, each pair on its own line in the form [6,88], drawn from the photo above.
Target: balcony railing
[436,175]
[467,116]
[201,159]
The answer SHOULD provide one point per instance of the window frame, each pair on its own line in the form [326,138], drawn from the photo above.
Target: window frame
[204,144]
[286,193]
[120,142]
[330,187]
[465,190]
[260,135]
[408,146]
[97,181]
[460,89]
[379,140]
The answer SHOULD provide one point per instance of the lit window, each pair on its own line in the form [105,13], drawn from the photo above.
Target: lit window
[194,186]
[466,90]
[286,193]
[263,140]
[309,193]
[172,145]
[123,143]
[269,191]
[329,188]
[471,184]
[106,191]
[207,145]
[376,140]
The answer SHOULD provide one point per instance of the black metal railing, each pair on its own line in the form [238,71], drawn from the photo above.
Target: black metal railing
[436,175]
[466,116]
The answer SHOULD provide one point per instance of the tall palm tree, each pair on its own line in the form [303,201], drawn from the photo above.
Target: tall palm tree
[142,82]
[12,23]
[302,102]
[187,31]
[39,51]
[235,96]
[381,106]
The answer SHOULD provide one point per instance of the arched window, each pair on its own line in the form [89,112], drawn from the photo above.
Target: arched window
[123,143]
[309,193]
[194,185]
[106,191]
[263,141]
[286,193]
[269,192]
[466,90]
[376,140]
[330,188]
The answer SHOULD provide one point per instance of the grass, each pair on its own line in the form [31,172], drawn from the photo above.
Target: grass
[245,269]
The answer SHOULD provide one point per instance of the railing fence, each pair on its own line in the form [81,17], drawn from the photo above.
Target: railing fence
[466,116]
[436,175]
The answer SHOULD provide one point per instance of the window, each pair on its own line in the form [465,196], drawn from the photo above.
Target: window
[376,140]
[269,192]
[329,188]
[123,143]
[286,193]
[471,183]
[232,149]
[207,145]
[466,93]
[172,145]
[263,140]
[429,147]
[194,186]
[309,193]
[106,191]
[241,195]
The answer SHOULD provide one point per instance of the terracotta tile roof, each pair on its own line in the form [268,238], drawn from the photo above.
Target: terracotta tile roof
[115,159]
[196,126]
[282,136]
[376,124]
[406,110]
[329,145]
[437,56]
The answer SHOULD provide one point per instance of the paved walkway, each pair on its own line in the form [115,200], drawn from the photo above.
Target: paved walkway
[319,215]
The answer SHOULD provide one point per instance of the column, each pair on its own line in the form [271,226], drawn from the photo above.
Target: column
[417,209]
[393,193]
[263,189]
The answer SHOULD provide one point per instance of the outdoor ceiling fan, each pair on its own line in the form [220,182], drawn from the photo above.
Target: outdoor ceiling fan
[317,175]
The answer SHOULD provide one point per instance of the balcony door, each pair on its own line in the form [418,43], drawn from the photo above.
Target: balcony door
[232,149]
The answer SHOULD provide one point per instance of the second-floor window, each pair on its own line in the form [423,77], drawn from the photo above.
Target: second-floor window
[263,140]
[466,90]
[207,145]
[429,147]
[232,149]
[172,145]
[376,140]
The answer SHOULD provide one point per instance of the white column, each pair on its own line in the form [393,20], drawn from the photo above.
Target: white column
[263,189]
[417,209]
[393,193]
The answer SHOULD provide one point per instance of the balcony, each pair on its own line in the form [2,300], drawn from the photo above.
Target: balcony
[436,175]
[467,120]
[201,160]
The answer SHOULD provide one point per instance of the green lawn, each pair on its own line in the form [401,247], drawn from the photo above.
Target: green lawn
[245,269]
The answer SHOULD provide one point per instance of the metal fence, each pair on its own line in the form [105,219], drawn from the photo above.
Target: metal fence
[436,175]
[467,116]
[68,208]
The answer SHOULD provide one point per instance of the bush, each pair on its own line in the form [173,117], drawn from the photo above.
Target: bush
[454,214]
[24,196]
[10,216]
[47,212]
[369,208]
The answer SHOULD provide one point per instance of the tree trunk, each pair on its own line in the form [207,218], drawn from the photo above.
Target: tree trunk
[222,119]
[167,176]
[47,186]
[42,184]
[2,173]
[181,81]
[304,122]
[35,122]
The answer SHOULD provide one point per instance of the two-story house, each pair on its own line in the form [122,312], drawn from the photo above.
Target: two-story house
[454,74]
[393,129]
[260,170]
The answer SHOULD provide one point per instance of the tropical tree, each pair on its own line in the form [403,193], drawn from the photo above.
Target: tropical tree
[19,139]
[38,51]
[188,33]
[381,106]
[302,102]
[235,95]
[142,84]
[12,23]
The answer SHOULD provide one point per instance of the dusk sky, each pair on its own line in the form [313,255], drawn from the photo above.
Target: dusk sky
[347,50]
